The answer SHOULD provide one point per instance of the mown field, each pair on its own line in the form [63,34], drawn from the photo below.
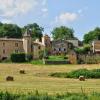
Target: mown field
[36,78]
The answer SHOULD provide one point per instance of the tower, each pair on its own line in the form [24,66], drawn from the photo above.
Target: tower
[46,41]
[27,42]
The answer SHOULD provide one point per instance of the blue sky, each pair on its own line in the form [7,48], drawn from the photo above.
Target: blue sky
[81,15]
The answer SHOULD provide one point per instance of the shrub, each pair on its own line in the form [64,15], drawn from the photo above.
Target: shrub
[29,57]
[95,73]
[41,54]
[66,96]
[65,57]
[18,57]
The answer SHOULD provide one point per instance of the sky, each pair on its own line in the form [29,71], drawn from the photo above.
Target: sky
[81,15]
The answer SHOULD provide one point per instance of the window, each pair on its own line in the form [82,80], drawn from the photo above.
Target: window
[39,47]
[64,49]
[3,51]
[3,44]
[59,49]
[16,44]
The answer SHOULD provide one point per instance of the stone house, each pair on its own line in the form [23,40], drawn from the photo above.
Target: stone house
[24,45]
[28,46]
[96,46]
[61,46]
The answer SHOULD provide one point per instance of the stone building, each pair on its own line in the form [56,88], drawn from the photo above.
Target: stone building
[28,46]
[61,46]
[24,45]
[96,46]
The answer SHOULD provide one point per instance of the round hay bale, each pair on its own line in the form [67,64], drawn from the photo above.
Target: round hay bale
[82,78]
[22,71]
[9,78]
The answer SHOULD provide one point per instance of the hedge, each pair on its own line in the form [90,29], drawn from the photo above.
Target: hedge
[18,57]
[95,73]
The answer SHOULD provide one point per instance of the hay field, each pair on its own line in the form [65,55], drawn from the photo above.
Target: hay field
[36,78]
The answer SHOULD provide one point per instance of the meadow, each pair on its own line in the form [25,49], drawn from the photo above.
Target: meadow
[37,78]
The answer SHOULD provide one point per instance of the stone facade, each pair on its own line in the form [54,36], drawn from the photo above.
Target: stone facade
[60,47]
[96,46]
[8,46]
[24,45]
[28,46]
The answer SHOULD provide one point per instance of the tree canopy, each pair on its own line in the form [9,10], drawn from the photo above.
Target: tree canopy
[83,50]
[10,31]
[90,36]
[36,30]
[62,32]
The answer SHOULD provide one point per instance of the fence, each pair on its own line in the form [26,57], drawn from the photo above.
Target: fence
[89,59]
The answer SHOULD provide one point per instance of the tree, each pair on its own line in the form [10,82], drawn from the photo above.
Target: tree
[90,36]
[83,50]
[10,31]
[36,30]
[62,33]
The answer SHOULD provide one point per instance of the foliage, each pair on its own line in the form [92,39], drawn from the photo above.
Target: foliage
[36,30]
[41,54]
[63,33]
[37,62]
[80,72]
[38,96]
[10,31]
[18,57]
[29,57]
[57,58]
[90,36]
[83,50]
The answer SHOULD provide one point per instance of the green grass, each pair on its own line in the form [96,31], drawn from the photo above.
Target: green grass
[38,96]
[95,73]
[36,78]
[37,62]
[56,58]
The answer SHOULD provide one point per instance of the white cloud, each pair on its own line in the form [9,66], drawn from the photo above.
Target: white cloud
[66,18]
[11,8]
[44,10]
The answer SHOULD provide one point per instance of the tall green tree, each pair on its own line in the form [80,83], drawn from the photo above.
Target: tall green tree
[62,32]
[92,35]
[10,31]
[36,30]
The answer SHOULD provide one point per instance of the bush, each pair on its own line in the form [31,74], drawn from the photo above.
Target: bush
[95,73]
[33,96]
[65,57]
[29,57]
[41,54]
[18,57]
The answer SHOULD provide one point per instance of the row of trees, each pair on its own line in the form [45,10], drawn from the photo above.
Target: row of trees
[63,32]
[14,31]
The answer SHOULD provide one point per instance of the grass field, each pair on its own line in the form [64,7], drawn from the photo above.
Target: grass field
[36,78]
